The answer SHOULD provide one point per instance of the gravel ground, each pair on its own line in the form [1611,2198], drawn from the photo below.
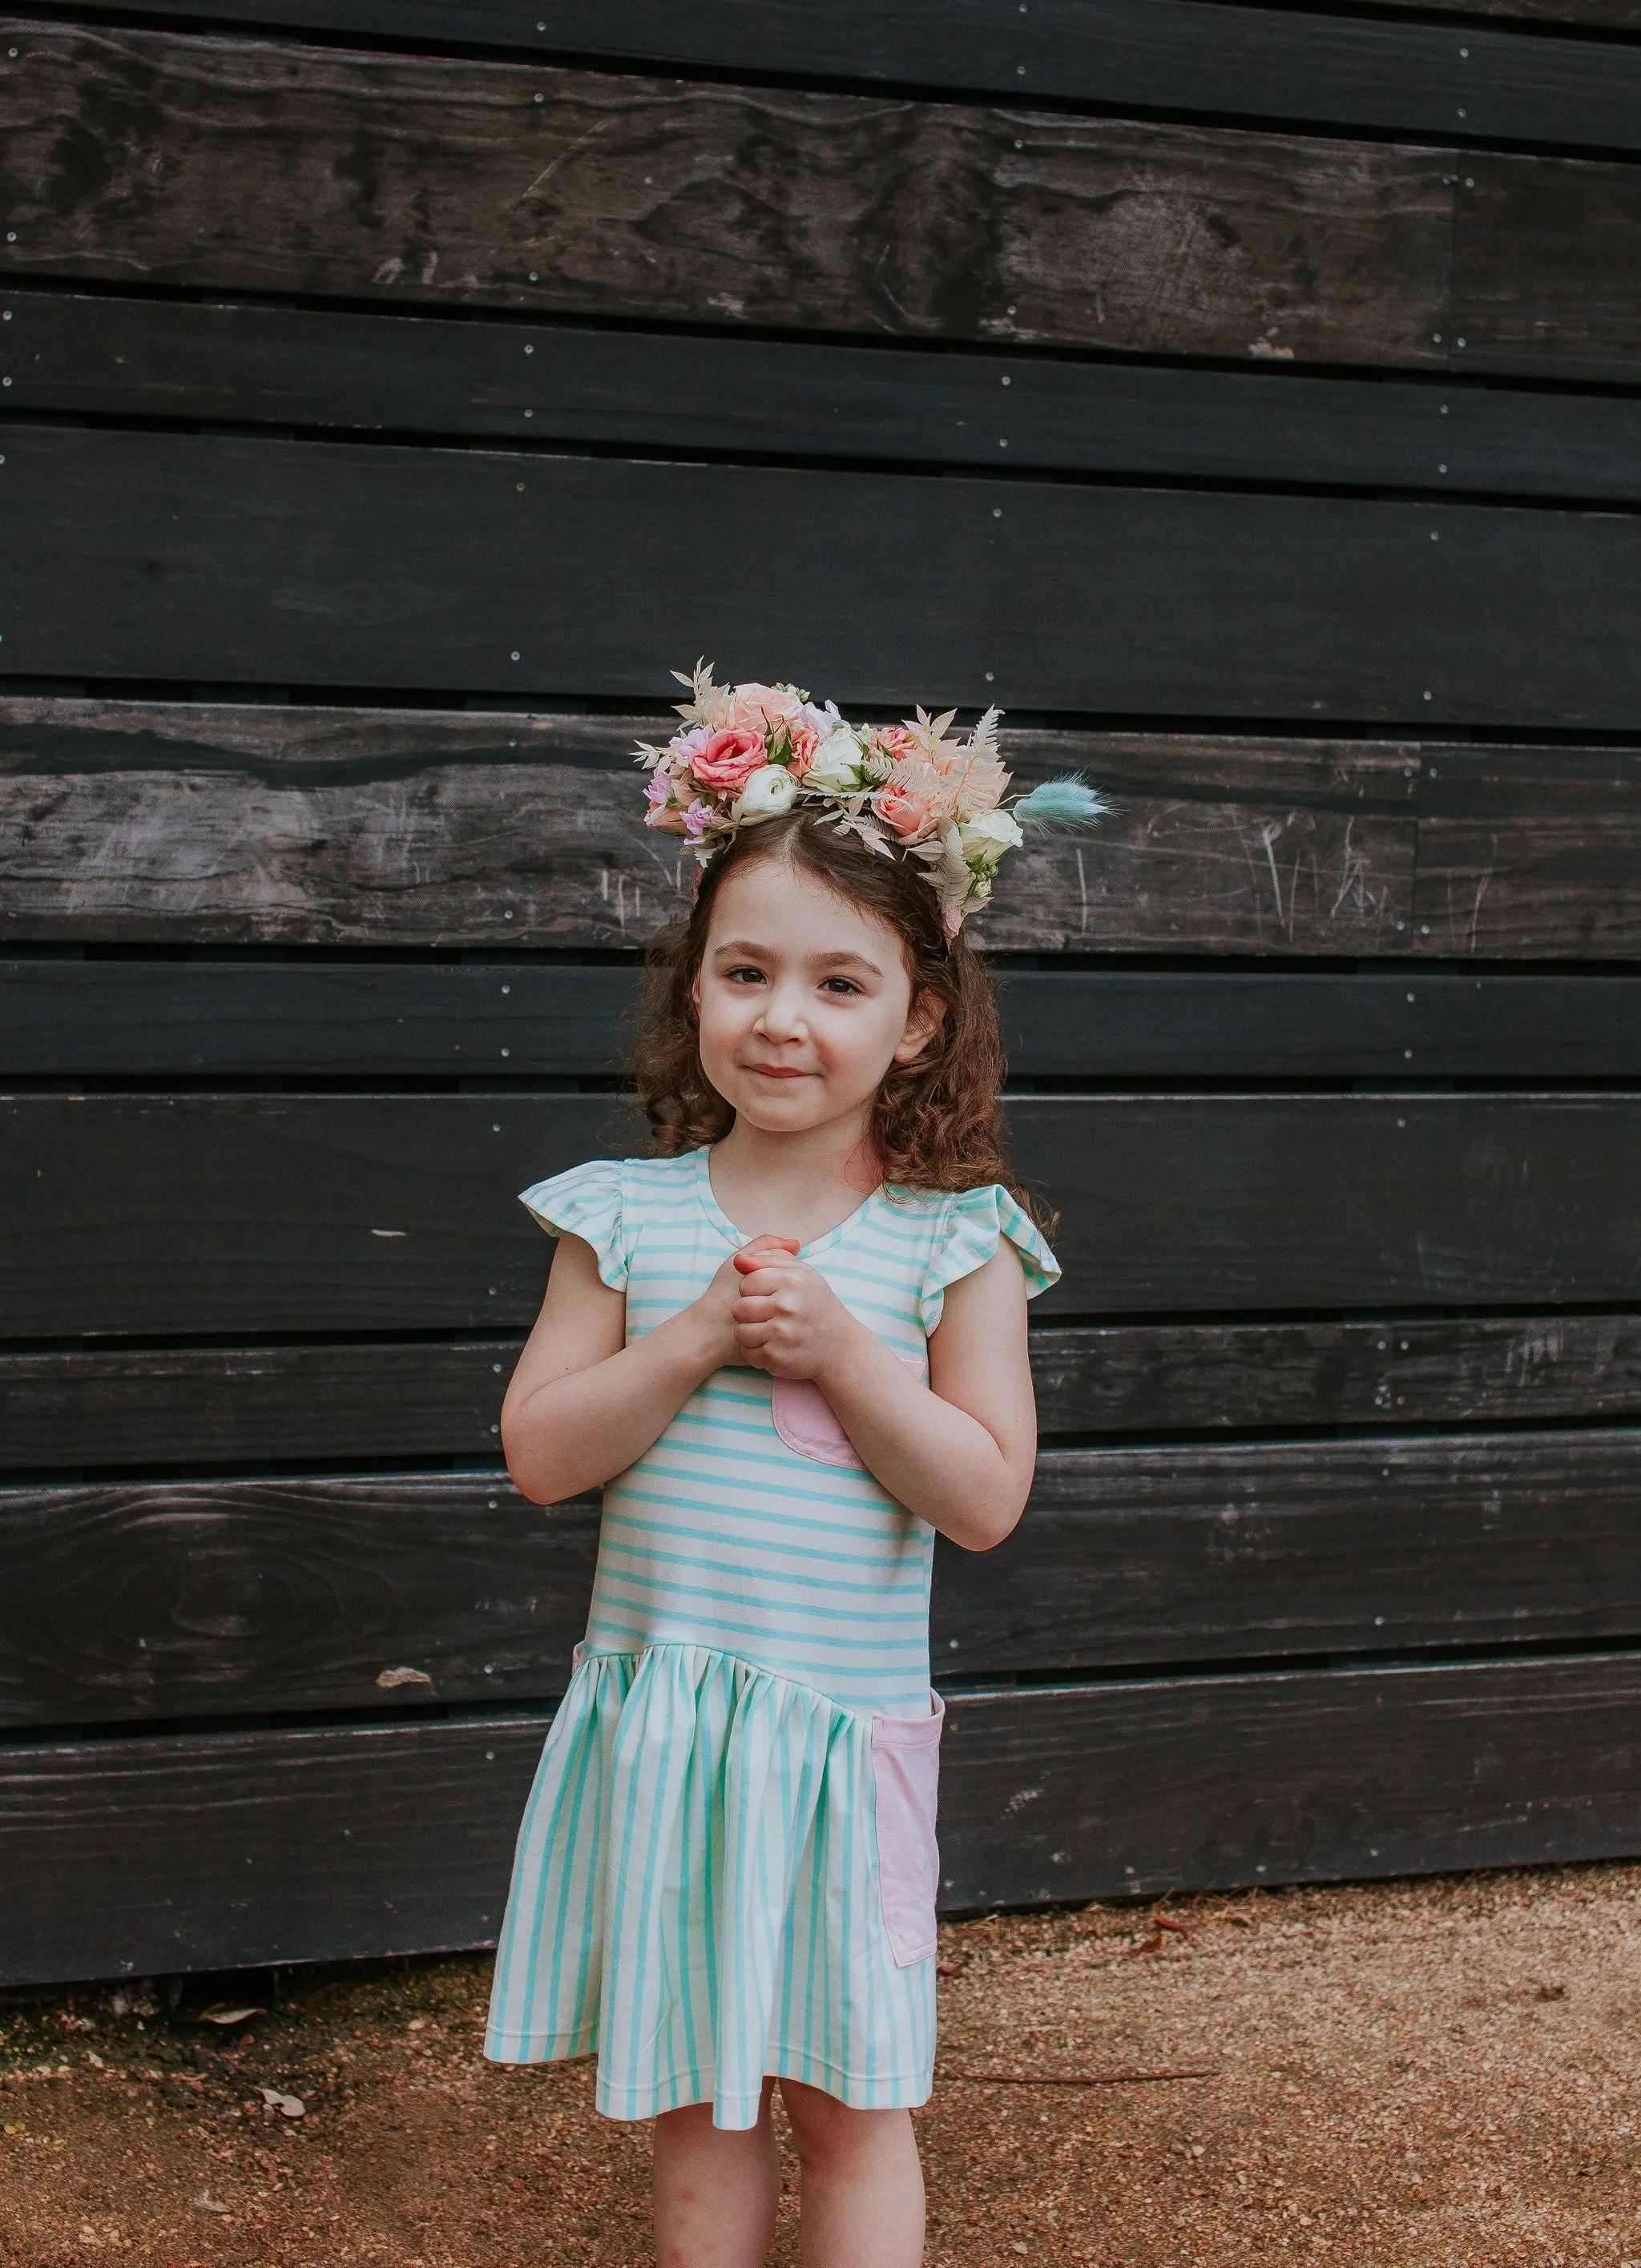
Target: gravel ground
[1433,2072]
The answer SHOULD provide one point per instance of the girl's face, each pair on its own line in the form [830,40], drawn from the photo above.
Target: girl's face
[804,1000]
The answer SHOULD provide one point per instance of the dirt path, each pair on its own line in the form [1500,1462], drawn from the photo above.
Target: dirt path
[1430,2073]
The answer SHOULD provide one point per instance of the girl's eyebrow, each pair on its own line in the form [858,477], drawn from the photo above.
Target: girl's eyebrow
[846,960]
[748,948]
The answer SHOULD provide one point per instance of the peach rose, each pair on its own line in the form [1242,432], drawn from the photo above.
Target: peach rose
[903,809]
[754,704]
[729,759]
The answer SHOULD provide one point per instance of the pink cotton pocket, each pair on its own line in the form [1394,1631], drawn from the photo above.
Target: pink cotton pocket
[807,1422]
[906,1776]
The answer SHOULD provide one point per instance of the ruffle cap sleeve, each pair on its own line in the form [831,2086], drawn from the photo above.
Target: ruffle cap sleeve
[974,1223]
[586,1202]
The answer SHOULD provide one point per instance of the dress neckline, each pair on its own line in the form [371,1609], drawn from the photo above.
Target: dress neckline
[738,1237]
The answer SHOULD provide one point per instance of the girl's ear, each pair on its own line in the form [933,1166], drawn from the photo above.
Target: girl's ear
[924,1021]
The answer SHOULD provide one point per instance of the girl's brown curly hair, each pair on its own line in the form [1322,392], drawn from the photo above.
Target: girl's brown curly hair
[937,1121]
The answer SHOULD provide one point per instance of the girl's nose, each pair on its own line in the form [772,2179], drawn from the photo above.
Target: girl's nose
[781,1017]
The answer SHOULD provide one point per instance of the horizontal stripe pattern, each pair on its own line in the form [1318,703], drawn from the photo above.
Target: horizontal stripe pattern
[721,1535]
[697,1892]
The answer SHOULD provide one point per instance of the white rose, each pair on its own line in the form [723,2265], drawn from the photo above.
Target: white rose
[769,791]
[990,835]
[837,766]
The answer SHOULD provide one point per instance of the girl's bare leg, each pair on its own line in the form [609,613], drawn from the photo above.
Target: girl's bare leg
[863,2191]
[715,2190]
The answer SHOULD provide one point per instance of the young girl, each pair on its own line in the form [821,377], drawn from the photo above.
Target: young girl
[792,1347]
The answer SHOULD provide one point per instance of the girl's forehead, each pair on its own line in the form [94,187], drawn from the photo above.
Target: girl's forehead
[787,908]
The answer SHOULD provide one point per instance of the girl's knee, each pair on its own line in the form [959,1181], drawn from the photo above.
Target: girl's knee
[827,2131]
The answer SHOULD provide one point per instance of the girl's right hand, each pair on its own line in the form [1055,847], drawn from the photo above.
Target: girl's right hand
[714,1310]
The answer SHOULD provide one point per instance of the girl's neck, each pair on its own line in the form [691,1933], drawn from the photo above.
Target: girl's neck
[796,1185]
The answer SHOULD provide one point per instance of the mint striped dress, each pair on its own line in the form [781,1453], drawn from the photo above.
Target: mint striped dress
[727,1864]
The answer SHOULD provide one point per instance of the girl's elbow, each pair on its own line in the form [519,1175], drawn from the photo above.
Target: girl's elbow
[995,1526]
[533,1476]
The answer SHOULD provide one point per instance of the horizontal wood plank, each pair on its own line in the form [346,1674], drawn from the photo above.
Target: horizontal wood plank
[252,364]
[196,823]
[1208,1783]
[407,1401]
[326,1213]
[315,171]
[234,1849]
[1175,55]
[1402,1370]
[1529,854]
[1542,253]
[1337,1202]
[227,559]
[229,1850]
[170,1599]
[193,824]
[342,1401]
[213,1599]
[363,1021]
[1238,1551]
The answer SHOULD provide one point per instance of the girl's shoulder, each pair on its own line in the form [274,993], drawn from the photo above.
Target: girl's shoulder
[960,1229]
[606,1203]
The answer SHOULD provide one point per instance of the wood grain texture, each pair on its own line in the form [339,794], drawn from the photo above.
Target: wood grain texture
[326,1213]
[414,1400]
[248,365]
[288,169]
[138,822]
[1526,853]
[1336,1202]
[1176,55]
[1405,1371]
[212,1598]
[274,1406]
[1251,1549]
[228,1850]
[158,822]
[518,1019]
[227,559]
[1198,1782]
[1544,256]
[363,1020]
[164,1601]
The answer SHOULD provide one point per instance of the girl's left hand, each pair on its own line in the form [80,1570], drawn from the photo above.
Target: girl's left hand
[788,1320]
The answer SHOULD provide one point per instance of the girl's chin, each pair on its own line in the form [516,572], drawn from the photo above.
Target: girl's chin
[779,1103]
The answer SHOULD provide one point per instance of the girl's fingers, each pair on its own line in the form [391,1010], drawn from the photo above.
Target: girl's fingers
[756,1255]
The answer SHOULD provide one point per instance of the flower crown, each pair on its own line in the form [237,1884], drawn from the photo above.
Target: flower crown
[747,753]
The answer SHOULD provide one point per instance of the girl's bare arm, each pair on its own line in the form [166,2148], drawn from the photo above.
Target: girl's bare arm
[581,1406]
[957,1452]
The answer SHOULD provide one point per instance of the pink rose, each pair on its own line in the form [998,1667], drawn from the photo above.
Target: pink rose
[908,813]
[729,759]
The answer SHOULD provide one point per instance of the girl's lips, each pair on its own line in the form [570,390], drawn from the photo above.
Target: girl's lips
[777,1070]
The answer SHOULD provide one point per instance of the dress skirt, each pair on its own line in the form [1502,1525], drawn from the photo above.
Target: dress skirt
[722,1874]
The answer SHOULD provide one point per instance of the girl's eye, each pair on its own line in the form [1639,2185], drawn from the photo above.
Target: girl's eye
[840,985]
[744,975]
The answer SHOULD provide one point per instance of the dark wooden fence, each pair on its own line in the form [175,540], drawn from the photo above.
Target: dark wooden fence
[1250,399]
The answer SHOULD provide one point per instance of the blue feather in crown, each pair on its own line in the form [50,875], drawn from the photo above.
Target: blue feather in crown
[1068,802]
